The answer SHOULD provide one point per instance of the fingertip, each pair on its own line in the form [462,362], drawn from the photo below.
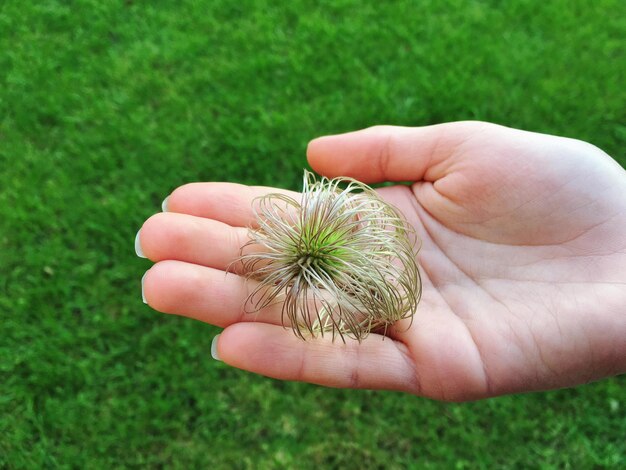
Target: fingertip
[360,154]
[318,153]
[336,155]
[241,342]
[162,282]
[152,232]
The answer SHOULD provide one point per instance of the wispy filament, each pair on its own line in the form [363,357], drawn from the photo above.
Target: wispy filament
[341,260]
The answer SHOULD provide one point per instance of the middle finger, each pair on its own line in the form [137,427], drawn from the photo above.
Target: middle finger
[192,239]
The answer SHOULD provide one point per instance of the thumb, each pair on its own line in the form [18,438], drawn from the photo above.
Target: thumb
[391,153]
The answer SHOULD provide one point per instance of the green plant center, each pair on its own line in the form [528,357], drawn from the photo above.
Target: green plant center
[322,251]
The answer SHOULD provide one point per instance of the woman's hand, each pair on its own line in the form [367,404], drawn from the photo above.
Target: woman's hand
[523,263]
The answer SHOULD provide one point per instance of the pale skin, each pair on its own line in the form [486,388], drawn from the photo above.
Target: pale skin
[523,263]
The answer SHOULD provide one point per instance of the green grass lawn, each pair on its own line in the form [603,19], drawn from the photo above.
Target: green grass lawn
[107,106]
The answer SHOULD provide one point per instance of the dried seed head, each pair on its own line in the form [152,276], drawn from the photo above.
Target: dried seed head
[341,260]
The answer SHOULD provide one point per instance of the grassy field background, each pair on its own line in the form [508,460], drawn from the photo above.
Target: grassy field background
[105,107]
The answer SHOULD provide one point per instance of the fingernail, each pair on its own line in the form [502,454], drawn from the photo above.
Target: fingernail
[138,249]
[143,296]
[214,348]
[164,204]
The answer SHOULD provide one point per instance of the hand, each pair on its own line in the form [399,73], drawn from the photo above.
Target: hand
[523,262]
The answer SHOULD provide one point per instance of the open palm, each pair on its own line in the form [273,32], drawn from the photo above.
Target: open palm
[523,261]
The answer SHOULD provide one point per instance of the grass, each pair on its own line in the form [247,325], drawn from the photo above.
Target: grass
[105,107]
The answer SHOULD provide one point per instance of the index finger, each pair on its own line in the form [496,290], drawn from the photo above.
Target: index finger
[230,203]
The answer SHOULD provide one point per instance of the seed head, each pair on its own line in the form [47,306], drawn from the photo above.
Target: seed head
[341,260]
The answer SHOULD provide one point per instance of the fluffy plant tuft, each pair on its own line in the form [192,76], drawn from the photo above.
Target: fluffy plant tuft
[341,260]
